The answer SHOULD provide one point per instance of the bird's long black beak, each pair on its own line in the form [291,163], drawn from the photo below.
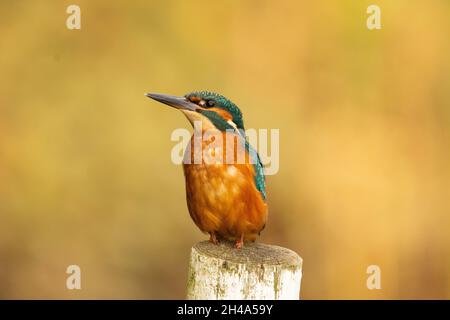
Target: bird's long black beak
[173,101]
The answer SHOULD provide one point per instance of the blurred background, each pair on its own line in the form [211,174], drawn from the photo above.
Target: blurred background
[85,171]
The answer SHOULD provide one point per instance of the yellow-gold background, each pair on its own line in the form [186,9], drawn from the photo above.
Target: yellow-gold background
[85,171]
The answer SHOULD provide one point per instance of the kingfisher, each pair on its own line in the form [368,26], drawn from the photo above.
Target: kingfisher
[224,176]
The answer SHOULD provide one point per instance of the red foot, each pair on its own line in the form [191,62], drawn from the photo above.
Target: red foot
[213,239]
[239,243]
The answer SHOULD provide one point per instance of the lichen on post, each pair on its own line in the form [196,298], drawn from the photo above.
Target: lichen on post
[257,271]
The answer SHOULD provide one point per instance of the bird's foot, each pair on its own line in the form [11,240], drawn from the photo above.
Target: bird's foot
[239,242]
[213,238]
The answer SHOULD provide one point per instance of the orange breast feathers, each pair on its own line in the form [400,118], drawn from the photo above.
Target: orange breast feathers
[221,194]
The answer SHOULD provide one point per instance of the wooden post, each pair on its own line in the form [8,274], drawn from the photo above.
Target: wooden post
[255,272]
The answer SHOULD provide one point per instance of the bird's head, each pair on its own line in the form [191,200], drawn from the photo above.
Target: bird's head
[212,109]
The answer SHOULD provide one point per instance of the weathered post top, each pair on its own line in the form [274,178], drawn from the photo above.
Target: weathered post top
[257,271]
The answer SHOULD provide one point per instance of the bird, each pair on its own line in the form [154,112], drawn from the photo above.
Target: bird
[226,198]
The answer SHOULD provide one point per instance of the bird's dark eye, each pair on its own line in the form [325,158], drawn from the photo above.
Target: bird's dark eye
[210,103]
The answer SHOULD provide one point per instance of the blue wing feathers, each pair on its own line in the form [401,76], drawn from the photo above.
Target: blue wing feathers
[260,180]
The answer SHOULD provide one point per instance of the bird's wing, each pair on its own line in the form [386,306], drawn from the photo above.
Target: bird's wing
[260,179]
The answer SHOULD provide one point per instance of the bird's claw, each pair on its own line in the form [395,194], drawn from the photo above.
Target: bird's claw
[239,242]
[213,238]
